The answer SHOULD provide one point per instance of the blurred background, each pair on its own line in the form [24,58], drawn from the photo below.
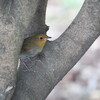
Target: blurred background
[83,81]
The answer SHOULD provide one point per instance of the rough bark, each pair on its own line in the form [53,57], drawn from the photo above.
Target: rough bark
[59,56]
[13,25]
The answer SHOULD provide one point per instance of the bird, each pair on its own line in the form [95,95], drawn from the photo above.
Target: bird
[33,45]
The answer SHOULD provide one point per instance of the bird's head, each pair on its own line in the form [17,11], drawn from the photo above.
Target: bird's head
[40,39]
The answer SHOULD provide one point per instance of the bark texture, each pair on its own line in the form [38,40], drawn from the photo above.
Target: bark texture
[57,58]
[14,22]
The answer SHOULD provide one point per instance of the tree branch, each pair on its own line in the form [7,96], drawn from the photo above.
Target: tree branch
[13,25]
[38,24]
[59,56]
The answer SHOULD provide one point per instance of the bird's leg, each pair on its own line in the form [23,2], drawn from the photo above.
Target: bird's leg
[25,66]
[38,58]
[30,61]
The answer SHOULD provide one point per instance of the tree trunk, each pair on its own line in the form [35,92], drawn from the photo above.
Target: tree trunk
[21,17]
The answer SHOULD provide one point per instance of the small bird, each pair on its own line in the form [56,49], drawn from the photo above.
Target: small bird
[33,45]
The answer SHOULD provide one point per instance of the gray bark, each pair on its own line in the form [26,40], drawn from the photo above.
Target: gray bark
[57,58]
[13,25]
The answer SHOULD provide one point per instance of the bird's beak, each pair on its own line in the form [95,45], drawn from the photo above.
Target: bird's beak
[49,37]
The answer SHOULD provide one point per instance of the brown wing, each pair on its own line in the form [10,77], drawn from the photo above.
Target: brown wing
[27,44]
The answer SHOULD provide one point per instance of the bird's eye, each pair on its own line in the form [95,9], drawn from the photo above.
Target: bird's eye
[41,38]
